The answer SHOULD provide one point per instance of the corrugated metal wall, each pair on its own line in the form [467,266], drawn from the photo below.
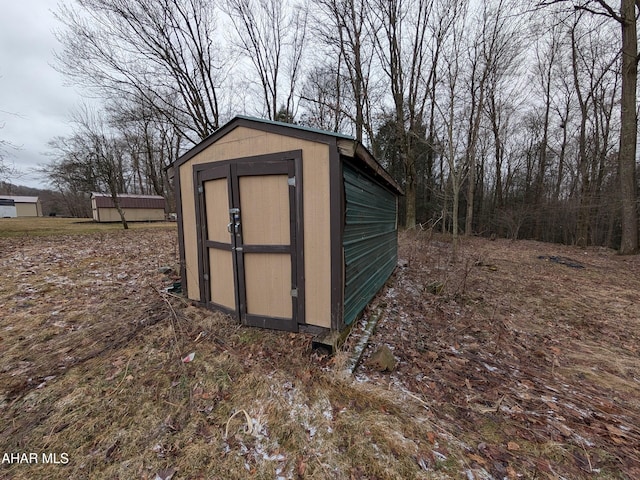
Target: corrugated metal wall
[370,240]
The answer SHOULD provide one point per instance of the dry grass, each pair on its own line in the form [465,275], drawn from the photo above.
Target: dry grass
[91,367]
[518,368]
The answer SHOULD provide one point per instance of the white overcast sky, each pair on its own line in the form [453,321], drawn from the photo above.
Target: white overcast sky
[34,102]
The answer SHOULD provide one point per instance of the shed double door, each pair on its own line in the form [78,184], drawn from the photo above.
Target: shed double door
[248,239]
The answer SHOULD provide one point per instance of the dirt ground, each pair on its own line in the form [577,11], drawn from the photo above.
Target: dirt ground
[519,360]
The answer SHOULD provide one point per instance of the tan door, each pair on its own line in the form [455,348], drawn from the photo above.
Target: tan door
[249,241]
[218,262]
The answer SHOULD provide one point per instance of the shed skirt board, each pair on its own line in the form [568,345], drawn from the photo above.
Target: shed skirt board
[247,214]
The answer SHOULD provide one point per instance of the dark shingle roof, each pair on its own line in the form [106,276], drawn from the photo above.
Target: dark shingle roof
[129,201]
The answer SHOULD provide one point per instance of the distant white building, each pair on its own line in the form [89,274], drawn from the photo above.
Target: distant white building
[137,208]
[18,206]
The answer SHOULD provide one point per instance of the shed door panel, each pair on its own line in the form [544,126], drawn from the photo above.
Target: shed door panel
[222,280]
[268,284]
[267,243]
[264,203]
[217,195]
[221,284]
[218,262]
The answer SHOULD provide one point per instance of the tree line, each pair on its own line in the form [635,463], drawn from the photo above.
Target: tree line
[497,117]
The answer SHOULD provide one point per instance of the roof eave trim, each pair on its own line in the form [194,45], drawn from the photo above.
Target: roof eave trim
[355,149]
[258,124]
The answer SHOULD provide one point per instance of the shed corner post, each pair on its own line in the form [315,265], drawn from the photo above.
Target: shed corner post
[199,208]
[336,209]
[180,221]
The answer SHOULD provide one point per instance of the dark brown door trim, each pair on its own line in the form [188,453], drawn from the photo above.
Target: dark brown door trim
[214,172]
[289,163]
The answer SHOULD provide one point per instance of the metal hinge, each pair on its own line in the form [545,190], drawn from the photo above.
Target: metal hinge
[200,189]
[206,276]
[294,292]
[291,181]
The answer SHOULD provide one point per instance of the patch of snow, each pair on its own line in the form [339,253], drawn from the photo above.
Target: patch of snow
[581,412]
[490,368]
[439,456]
[328,413]
[585,441]
[478,474]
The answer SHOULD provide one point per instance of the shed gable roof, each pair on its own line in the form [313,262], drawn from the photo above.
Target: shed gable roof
[346,144]
[20,199]
[129,201]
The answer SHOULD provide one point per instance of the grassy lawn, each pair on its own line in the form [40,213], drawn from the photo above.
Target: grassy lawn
[44,226]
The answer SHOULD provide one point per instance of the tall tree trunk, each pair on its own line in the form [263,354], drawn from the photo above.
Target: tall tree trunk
[584,200]
[561,156]
[542,165]
[471,192]
[474,127]
[116,202]
[456,207]
[628,129]
[582,225]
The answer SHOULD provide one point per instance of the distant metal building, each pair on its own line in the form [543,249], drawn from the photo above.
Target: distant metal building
[137,208]
[24,206]
[283,226]
[7,208]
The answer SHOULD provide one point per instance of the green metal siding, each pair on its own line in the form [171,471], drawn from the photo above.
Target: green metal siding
[370,239]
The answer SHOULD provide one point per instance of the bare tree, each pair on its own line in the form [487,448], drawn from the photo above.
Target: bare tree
[324,98]
[272,34]
[153,144]
[107,155]
[6,170]
[563,101]
[72,173]
[626,17]
[405,57]
[547,55]
[93,159]
[591,64]
[629,126]
[493,56]
[347,28]
[452,115]
[159,52]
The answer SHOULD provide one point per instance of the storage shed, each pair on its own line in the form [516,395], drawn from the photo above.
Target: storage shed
[137,208]
[283,226]
[24,206]
[8,208]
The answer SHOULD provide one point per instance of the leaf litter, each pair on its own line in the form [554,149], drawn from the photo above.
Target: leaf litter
[532,361]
